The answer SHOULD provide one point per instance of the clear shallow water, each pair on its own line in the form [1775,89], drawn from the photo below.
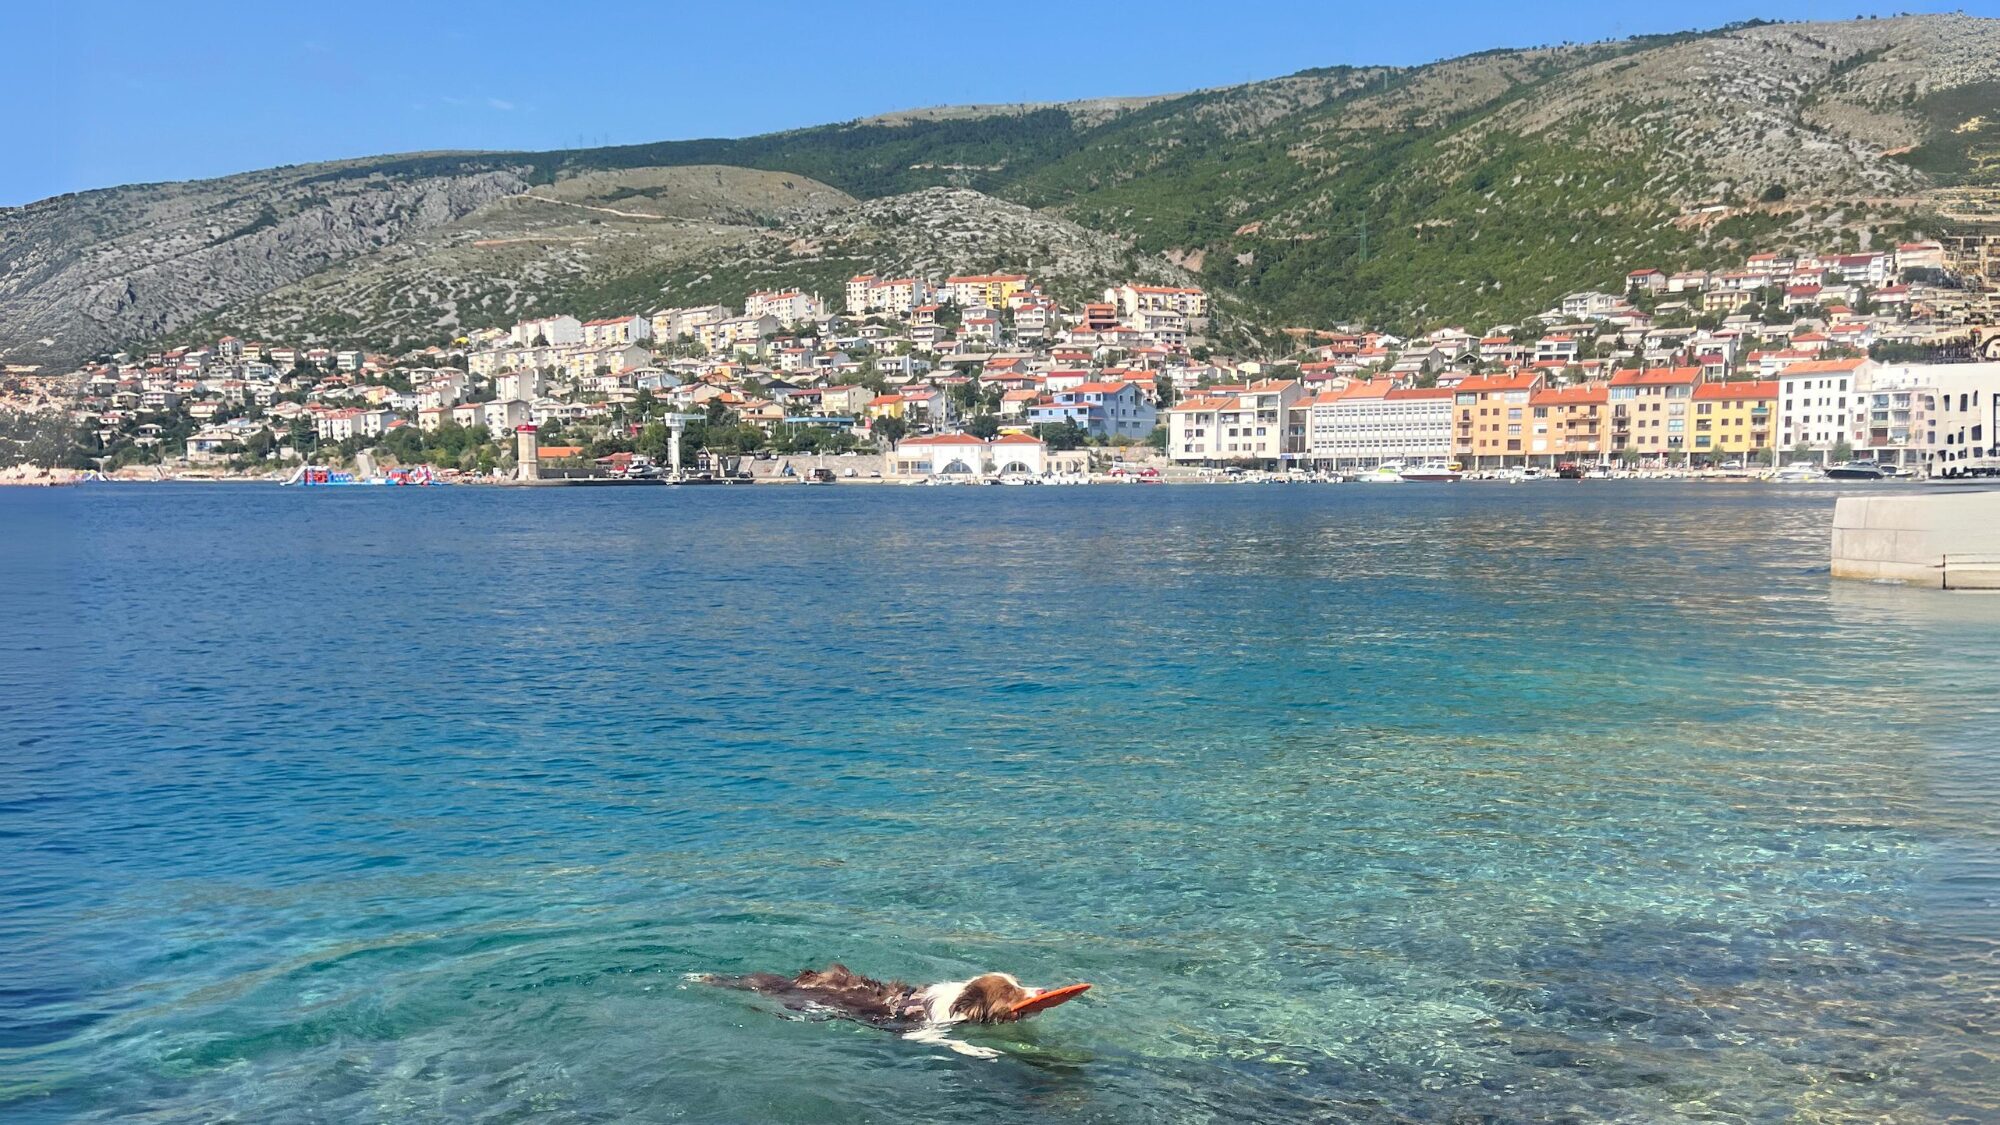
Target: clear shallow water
[1565,801]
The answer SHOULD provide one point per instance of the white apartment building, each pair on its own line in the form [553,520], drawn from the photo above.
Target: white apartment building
[672,324]
[1131,300]
[1238,423]
[1820,404]
[616,330]
[867,293]
[502,416]
[790,307]
[1954,413]
[722,335]
[1366,424]
[526,384]
[554,331]
[1589,304]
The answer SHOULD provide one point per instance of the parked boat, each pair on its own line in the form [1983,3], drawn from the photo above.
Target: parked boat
[1390,473]
[818,476]
[1432,472]
[1798,472]
[321,476]
[1856,470]
[1570,470]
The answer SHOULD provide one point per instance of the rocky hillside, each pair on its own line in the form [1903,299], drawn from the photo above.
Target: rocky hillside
[553,246]
[610,245]
[79,273]
[1467,190]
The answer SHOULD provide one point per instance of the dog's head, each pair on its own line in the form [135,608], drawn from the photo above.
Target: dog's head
[990,998]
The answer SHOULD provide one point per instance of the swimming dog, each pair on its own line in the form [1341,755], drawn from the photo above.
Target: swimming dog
[920,1013]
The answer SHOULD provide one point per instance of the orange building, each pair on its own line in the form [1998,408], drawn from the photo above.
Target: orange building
[1489,425]
[1569,424]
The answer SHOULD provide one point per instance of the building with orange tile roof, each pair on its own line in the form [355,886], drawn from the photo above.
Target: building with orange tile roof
[1569,424]
[1734,421]
[1369,423]
[964,456]
[1821,403]
[1649,412]
[1490,419]
[1253,424]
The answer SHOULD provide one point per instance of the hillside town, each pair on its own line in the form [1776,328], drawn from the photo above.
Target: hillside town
[1807,358]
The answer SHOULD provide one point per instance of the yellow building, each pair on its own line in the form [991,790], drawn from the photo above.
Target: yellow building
[1733,420]
[886,406]
[990,290]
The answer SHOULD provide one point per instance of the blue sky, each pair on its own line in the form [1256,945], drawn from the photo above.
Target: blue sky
[121,91]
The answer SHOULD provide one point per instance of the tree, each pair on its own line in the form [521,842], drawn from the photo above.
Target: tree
[1158,438]
[1774,194]
[655,441]
[965,396]
[983,426]
[889,429]
[1062,435]
[1843,450]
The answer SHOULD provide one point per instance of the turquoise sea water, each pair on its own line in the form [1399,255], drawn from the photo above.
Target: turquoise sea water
[1566,801]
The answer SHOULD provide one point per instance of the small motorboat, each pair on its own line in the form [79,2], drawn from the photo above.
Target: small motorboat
[1798,472]
[818,476]
[1856,470]
[1382,474]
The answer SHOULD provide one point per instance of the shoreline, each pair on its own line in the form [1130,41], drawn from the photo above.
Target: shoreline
[79,480]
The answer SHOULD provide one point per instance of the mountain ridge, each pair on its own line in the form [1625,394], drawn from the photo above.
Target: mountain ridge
[1467,188]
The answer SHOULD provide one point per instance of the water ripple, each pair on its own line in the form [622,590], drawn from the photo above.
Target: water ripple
[1588,803]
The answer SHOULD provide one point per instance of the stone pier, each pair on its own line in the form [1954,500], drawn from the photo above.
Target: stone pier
[1943,540]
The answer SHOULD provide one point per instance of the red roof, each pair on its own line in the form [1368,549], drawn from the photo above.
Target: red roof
[1749,388]
[1824,367]
[1365,388]
[944,439]
[1488,384]
[1583,394]
[1656,377]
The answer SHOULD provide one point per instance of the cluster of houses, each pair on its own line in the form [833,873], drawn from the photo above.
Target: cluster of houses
[1940,418]
[1760,362]
[930,355]
[1674,371]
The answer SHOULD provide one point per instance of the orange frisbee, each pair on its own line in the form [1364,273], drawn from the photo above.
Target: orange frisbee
[1049,998]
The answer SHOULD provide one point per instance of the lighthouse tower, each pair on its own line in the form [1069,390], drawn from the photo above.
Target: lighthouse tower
[527,453]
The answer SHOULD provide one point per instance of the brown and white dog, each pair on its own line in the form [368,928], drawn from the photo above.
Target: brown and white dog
[920,1013]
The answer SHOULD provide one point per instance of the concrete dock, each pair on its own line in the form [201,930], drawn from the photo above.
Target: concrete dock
[1941,540]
